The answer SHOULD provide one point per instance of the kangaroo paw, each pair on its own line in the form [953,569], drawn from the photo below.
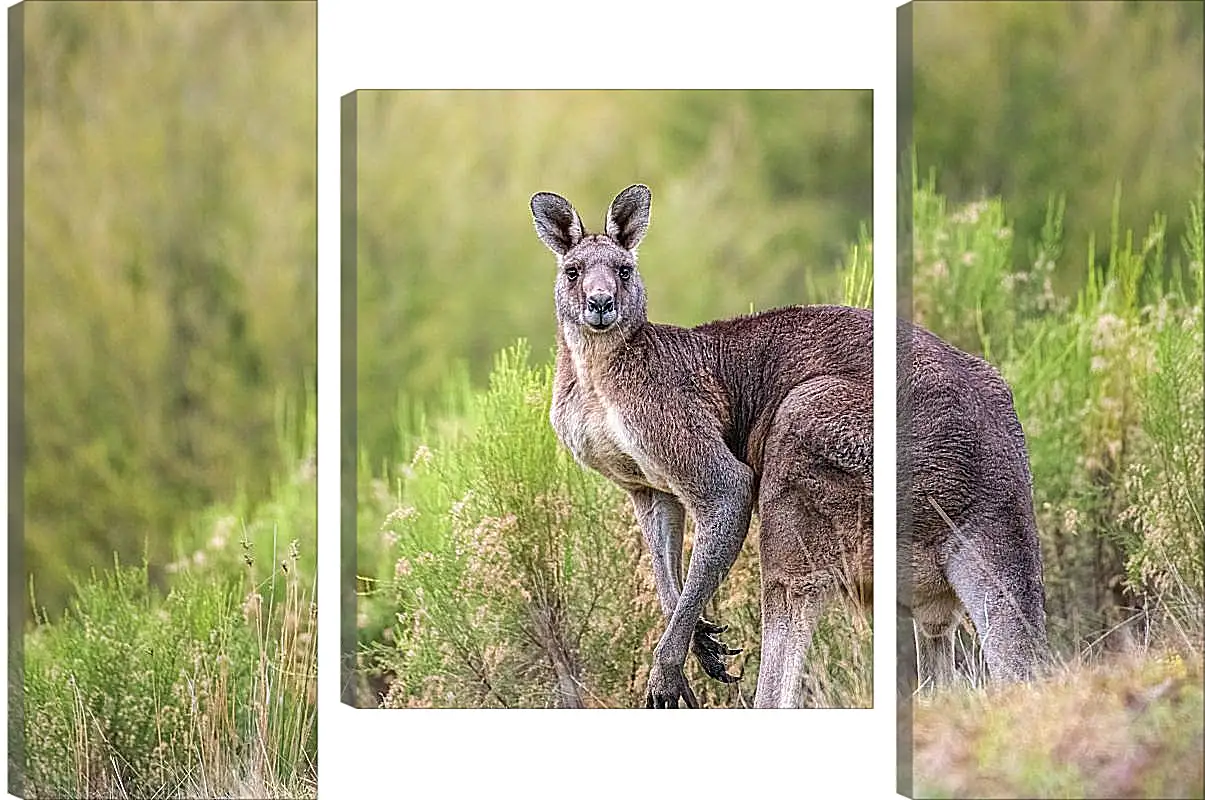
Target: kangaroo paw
[710,651]
[667,685]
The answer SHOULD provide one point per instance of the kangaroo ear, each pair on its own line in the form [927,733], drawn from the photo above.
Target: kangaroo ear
[557,223]
[628,216]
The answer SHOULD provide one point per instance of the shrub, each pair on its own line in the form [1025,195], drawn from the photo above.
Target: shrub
[204,689]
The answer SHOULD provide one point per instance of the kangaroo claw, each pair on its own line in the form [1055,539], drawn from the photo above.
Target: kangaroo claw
[710,651]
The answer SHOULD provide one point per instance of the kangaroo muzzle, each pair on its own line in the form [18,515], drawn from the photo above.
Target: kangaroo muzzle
[600,311]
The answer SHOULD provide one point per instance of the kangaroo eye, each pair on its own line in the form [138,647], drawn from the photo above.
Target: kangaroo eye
[625,273]
[571,273]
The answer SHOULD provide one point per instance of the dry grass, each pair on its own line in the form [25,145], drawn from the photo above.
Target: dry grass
[201,699]
[1127,727]
[205,689]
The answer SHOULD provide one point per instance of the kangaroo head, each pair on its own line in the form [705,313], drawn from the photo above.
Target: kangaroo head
[598,290]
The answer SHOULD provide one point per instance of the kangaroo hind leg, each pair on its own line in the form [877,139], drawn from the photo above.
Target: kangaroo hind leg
[789,619]
[808,559]
[815,514]
[934,624]
[995,568]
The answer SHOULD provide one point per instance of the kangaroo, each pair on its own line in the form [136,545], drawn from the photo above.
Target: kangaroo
[967,538]
[771,410]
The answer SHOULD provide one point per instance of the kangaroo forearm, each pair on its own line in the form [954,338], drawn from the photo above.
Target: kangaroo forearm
[717,543]
[703,578]
[668,590]
[661,519]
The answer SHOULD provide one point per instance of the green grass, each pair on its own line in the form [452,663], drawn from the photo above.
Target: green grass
[1045,118]
[495,571]
[203,686]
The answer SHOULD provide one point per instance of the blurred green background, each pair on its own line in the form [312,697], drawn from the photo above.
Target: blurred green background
[1023,100]
[170,207]
[757,196]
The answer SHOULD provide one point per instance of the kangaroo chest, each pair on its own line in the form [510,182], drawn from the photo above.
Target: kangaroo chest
[600,437]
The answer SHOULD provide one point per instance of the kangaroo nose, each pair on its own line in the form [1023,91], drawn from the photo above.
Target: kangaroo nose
[600,303]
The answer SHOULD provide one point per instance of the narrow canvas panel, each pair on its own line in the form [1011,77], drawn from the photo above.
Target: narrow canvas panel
[162,365]
[561,432]
[1050,399]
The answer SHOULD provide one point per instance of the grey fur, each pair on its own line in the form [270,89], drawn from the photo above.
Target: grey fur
[968,537]
[774,410]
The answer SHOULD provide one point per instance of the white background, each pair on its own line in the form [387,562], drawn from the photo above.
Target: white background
[599,44]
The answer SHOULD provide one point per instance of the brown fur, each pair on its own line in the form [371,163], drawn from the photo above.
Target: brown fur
[772,409]
[968,540]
